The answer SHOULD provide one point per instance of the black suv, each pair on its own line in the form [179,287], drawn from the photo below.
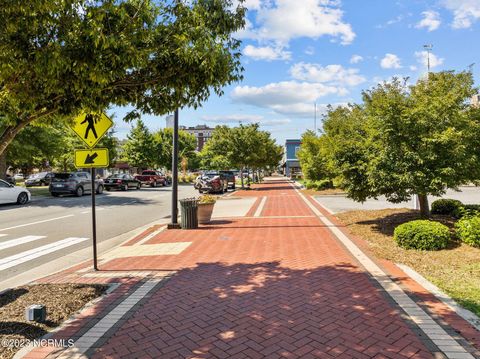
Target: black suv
[39,179]
[77,183]
[230,176]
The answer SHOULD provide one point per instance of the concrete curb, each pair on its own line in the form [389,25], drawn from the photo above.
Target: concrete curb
[437,292]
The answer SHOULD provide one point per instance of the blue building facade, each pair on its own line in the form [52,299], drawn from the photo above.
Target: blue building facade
[290,163]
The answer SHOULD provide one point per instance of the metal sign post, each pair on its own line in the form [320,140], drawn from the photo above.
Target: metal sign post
[174,223]
[90,128]
[94,221]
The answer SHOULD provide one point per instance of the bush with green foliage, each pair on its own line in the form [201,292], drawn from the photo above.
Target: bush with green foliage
[422,234]
[319,185]
[466,210]
[468,230]
[445,206]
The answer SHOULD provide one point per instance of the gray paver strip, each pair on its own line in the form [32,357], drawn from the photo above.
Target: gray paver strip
[88,339]
[444,341]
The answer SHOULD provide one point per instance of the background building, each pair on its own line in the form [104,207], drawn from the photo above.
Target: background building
[476,101]
[201,132]
[290,163]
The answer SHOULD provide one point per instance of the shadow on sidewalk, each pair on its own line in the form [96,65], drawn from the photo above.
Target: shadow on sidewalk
[217,310]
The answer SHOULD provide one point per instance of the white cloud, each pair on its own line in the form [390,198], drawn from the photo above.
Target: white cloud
[422,58]
[396,20]
[390,61]
[413,68]
[310,50]
[286,98]
[431,21]
[355,59]
[267,53]
[283,20]
[236,118]
[465,12]
[334,74]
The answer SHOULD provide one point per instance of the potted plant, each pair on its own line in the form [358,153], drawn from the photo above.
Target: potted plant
[205,208]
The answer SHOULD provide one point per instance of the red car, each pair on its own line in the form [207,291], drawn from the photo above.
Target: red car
[151,178]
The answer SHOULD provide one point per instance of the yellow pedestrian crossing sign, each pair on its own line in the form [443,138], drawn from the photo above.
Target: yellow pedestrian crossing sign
[91,127]
[97,157]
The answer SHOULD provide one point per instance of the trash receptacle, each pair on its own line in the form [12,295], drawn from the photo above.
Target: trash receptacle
[189,209]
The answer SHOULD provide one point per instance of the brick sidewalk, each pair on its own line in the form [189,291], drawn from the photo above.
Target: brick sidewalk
[273,286]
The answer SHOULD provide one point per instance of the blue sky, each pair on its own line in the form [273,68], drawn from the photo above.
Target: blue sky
[301,52]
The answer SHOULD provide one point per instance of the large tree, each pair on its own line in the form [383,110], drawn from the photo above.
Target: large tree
[405,140]
[187,144]
[313,157]
[58,58]
[140,150]
[241,147]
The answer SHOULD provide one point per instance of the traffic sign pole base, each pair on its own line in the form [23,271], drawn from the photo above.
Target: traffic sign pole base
[174,226]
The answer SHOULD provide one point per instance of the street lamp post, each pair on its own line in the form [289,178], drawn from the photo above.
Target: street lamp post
[174,222]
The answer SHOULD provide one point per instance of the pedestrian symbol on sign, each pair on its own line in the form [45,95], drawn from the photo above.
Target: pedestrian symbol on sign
[91,127]
[91,119]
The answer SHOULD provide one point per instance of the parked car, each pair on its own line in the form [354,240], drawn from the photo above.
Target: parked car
[77,183]
[11,194]
[230,178]
[10,179]
[39,179]
[152,178]
[121,181]
[211,182]
[18,177]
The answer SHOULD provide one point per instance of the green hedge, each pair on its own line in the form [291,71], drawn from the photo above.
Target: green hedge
[466,210]
[468,230]
[422,234]
[319,185]
[445,206]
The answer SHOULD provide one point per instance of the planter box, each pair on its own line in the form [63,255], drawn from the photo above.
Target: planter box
[205,212]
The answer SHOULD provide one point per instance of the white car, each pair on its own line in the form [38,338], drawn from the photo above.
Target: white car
[11,194]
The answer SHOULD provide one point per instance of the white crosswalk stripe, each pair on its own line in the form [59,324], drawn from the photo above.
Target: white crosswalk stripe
[19,241]
[14,260]
[2,235]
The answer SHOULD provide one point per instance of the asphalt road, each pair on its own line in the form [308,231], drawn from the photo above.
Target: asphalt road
[48,228]
[339,203]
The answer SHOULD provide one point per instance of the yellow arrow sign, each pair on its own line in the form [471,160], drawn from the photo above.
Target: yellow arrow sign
[91,127]
[92,158]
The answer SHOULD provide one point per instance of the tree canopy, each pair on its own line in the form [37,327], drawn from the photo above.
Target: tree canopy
[58,58]
[241,147]
[404,140]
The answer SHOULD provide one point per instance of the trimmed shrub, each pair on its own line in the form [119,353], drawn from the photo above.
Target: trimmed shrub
[445,206]
[468,230]
[319,185]
[467,210]
[422,234]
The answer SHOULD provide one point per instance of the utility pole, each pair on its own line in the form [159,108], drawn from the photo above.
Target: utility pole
[428,48]
[174,223]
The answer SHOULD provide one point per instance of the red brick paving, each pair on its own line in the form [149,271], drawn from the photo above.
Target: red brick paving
[257,288]
[424,296]
[262,287]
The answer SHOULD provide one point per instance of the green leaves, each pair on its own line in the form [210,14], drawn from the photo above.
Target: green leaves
[241,147]
[402,140]
[63,57]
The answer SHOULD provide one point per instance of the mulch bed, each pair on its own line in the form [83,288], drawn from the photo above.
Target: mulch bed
[61,301]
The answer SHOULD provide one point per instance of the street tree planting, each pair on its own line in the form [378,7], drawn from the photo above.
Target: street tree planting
[59,58]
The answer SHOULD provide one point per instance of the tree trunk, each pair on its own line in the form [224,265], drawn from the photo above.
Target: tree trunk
[9,134]
[424,208]
[241,177]
[3,165]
